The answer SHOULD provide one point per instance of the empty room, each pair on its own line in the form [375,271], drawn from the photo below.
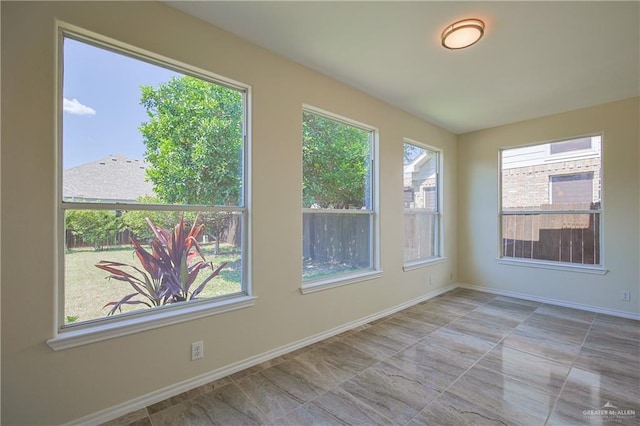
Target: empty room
[320,213]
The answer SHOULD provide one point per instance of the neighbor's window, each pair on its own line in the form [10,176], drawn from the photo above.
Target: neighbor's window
[551,206]
[570,145]
[153,185]
[421,203]
[338,197]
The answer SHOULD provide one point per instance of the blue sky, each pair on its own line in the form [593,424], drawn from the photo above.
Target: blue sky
[102,110]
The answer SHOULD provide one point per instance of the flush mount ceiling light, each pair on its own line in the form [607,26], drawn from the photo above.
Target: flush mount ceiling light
[462,34]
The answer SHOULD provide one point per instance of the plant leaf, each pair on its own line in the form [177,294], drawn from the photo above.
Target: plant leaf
[199,289]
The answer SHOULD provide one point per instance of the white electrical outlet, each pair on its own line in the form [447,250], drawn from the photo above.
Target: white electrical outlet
[451,277]
[430,280]
[626,295]
[197,350]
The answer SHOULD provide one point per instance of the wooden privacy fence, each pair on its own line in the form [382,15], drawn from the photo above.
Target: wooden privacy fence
[341,238]
[420,234]
[572,238]
[231,234]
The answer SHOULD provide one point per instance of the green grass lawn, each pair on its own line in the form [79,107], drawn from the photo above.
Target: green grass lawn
[87,288]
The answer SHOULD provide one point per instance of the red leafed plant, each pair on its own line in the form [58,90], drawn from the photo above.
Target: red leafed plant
[168,270]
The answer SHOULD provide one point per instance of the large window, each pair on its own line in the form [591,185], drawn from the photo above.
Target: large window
[152,204]
[551,207]
[338,198]
[421,203]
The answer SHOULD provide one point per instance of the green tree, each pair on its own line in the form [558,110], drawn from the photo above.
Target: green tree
[194,140]
[335,163]
[135,220]
[98,228]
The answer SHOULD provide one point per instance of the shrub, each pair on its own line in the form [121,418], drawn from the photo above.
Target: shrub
[97,228]
[168,270]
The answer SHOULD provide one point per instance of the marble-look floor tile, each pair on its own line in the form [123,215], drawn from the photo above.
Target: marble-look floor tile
[347,333]
[451,410]
[541,373]
[135,416]
[442,304]
[399,334]
[428,364]
[508,309]
[626,324]
[520,302]
[559,325]
[474,295]
[608,342]
[334,408]
[317,371]
[467,349]
[483,326]
[623,328]
[587,391]
[227,405]
[423,314]
[268,395]
[564,313]
[185,396]
[379,346]
[616,365]
[506,398]
[297,380]
[304,349]
[414,326]
[343,357]
[257,368]
[146,421]
[391,392]
[536,342]
[434,363]
[471,300]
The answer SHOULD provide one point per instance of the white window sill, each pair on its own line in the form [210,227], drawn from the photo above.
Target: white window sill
[326,284]
[104,330]
[417,264]
[557,266]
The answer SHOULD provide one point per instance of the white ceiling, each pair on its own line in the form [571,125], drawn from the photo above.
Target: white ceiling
[536,58]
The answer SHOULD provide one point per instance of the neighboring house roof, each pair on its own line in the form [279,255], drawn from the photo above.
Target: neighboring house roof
[111,179]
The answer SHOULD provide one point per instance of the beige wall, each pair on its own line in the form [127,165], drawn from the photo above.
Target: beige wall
[478,207]
[40,386]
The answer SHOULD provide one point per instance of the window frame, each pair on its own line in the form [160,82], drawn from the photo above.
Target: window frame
[439,244]
[325,283]
[596,269]
[106,328]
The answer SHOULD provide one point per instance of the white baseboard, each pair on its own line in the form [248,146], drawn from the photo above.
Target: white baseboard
[549,301]
[186,385]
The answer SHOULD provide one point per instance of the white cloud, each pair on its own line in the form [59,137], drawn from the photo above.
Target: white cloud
[74,106]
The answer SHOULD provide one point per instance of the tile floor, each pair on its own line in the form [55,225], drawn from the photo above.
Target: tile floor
[463,358]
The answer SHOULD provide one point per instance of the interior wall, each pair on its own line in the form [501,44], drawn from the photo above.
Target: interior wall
[40,386]
[478,232]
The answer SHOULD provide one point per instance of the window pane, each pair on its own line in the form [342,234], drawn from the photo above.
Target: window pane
[420,235]
[136,132]
[336,160]
[570,145]
[336,244]
[535,183]
[574,191]
[420,178]
[421,210]
[337,174]
[532,179]
[572,238]
[94,237]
